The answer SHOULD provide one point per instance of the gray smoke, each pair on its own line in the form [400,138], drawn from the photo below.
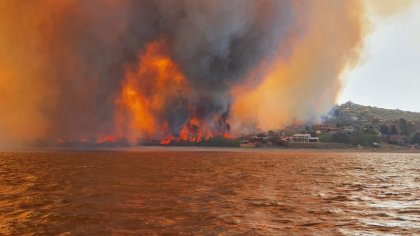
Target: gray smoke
[83,47]
[218,42]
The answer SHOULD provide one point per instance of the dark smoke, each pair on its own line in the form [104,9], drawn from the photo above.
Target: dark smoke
[68,58]
[216,43]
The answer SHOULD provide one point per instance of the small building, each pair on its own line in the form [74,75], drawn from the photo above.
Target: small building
[301,138]
[313,139]
[325,129]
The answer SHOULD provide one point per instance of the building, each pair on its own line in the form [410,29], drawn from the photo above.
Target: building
[325,129]
[313,139]
[301,138]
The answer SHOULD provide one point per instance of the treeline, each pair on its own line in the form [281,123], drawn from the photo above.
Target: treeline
[402,127]
[364,138]
[371,134]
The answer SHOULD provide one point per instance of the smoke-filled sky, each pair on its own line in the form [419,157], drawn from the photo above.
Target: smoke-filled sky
[143,69]
[388,74]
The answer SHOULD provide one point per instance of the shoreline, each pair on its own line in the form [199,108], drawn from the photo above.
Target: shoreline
[218,149]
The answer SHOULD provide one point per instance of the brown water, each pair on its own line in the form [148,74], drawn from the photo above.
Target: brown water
[209,193]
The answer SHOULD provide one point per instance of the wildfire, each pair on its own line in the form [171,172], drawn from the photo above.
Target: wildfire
[100,140]
[190,132]
[107,139]
[150,92]
[67,68]
[145,90]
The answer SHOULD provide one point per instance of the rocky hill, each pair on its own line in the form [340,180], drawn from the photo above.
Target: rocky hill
[385,122]
[369,113]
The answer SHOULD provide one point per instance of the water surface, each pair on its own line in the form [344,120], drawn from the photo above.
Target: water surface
[209,193]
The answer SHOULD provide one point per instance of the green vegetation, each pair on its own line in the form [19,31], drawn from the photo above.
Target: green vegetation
[372,125]
[325,138]
[374,113]
[406,128]
[416,138]
[358,138]
[364,139]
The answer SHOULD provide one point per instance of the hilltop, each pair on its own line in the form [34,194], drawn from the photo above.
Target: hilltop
[372,124]
[381,119]
[369,113]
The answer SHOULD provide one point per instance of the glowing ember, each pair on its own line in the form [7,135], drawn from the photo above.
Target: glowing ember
[107,139]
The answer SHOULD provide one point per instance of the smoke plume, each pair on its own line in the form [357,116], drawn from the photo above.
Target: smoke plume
[64,65]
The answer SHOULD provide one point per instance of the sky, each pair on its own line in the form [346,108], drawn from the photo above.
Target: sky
[388,74]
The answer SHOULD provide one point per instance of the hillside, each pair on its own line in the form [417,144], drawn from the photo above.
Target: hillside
[386,123]
[374,113]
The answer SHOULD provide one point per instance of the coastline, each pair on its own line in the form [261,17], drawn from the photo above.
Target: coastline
[221,149]
[266,149]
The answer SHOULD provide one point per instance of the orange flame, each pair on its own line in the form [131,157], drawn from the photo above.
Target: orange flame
[146,90]
[107,139]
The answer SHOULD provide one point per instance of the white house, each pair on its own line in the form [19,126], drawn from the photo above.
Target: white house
[302,138]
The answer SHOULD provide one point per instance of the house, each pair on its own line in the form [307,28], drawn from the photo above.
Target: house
[301,138]
[325,129]
[313,139]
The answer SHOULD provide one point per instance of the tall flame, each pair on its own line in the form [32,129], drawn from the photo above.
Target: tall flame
[145,90]
[149,88]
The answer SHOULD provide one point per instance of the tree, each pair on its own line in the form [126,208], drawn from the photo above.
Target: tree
[364,138]
[406,127]
[326,138]
[394,130]
[416,138]
[340,138]
[384,129]
[310,130]
[370,130]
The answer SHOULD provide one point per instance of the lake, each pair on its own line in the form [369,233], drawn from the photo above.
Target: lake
[209,192]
